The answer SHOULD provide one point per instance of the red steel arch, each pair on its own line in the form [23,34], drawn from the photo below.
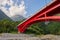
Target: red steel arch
[47,14]
[52,18]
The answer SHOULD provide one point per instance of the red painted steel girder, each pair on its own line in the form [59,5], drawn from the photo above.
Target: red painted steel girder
[42,15]
[51,18]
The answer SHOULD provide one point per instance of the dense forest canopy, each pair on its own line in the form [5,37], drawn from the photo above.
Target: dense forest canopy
[50,27]
[8,26]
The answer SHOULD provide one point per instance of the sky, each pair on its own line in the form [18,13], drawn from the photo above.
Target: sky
[25,8]
[35,5]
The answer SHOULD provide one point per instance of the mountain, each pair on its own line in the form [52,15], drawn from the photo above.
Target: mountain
[17,18]
[3,16]
[14,18]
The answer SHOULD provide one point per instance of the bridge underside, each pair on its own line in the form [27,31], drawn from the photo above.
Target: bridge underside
[47,14]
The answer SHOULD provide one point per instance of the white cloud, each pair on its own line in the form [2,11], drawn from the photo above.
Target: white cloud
[14,9]
[18,10]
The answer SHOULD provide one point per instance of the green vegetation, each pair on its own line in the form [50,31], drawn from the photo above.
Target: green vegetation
[41,28]
[8,26]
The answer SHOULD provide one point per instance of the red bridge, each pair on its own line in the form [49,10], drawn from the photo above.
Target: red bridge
[46,14]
